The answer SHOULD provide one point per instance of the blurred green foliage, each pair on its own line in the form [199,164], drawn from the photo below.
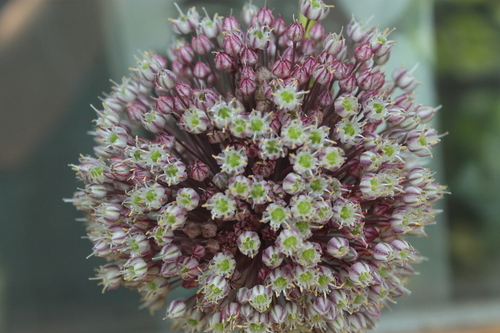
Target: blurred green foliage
[468,69]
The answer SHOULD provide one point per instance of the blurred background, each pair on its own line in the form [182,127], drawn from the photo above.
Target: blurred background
[56,58]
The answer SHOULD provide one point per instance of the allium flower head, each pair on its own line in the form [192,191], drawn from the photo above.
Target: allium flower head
[273,172]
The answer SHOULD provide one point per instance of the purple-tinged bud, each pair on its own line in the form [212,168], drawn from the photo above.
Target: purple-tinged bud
[281,68]
[230,24]
[135,269]
[307,47]
[165,80]
[369,80]
[224,62]
[135,110]
[153,121]
[426,113]
[176,309]
[383,252]
[363,52]
[272,257]
[201,44]
[404,79]
[279,26]
[290,54]
[165,104]
[265,17]
[198,171]
[348,84]
[317,32]
[358,32]
[314,10]
[278,314]
[248,56]
[247,86]
[295,32]
[201,70]
[169,253]
[333,43]
[210,27]
[419,141]
[233,43]
[300,74]
[185,23]
[310,65]
[248,14]
[323,74]
[338,247]
[249,243]
[361,274]
[258,37]
[184,54]
[325,99]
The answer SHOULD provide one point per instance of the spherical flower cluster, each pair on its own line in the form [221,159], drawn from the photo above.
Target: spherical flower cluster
[272,168]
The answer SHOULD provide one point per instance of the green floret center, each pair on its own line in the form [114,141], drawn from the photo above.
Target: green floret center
[306,276]
[294,133]
[349,129]
[96,172]
[224,113]
[155,155]
[315,138]
[290,241]
[302,226]
[280,282]
[278,214]
[347,104]
[113,137]
[224,265]
[378,108]
[345,213]
[308,254]
[257,125]
[233,160]
[287,96]
[389,151]
[151,195]
[258,191]
[172,170]
[272,147]
[316,185]
[304,207]
[222,205]
[305,161]
[240,187]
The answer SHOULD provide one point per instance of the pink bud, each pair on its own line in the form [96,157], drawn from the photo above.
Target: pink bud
[224,62]
[184,54]
[279,26]
[323,74]
[201,70]
[317,32]
[247,86]
[265,17]
[281,68]
[295,32]
[233,43]
[198,171]
[201,44]
[348,84]
[248,56]
[363,52]
[165,104]
[135,110]
[230,23]
[165,80]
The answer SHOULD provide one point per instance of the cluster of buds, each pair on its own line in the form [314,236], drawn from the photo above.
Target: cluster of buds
[268,168]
